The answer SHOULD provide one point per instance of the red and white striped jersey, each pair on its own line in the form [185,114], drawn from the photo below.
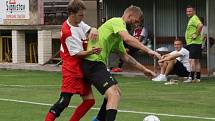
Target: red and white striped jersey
[72,40]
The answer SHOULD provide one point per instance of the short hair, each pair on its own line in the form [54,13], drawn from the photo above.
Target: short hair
[190,6]
[179,41]
[136,10]
[76,5]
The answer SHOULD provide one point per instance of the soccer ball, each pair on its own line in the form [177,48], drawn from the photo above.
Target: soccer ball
[151,118]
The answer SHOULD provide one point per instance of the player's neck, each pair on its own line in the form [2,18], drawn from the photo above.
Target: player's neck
[72,22]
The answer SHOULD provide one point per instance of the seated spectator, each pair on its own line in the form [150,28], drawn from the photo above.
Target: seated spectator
[176,62]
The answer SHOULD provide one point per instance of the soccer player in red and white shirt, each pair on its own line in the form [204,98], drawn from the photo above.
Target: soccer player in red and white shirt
[73,36]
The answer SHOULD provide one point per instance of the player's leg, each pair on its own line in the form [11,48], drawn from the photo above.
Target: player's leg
[195,55]
[192,68]
[96,73]
[192,63]
[108,87]
[113,98]
[180,70]
[162,76]
[102,112]
[198,62]
[198,69]
[58,107]
[81,110]
[163,67]
[170,66]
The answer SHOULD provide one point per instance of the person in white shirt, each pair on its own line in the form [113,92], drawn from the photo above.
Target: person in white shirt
[176,62]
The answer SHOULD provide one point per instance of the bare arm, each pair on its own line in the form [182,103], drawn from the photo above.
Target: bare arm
[83,54]
[132,41]
[127,58]
[198,31]
[92,33]
[170,57]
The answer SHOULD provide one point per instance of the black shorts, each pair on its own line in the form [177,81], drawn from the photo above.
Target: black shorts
[96,73]
[180,70]
[195,51]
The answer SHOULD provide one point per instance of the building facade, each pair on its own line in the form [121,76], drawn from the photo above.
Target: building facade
[33,37]
[30,29]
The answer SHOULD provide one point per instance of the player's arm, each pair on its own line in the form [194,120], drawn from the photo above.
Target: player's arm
[132,41]
[164,56]
[170,57]
[131,61]
[75,48]
[198,31]
[83,54]
[92,33]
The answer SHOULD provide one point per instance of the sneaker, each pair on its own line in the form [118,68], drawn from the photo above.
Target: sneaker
[116,70]
[94,119]
[189,80]
[159,78]
[196,80]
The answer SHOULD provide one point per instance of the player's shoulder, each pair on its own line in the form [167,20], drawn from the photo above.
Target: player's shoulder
[66,29]
[195,18]
[115,20]
[184,50]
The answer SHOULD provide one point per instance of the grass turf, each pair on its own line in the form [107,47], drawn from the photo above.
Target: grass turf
[138,94]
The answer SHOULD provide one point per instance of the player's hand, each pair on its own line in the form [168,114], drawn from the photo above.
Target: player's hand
[155,54]
[93,34]
[162,57]
[194,36]
[96,50]
[149,73]
[161,61]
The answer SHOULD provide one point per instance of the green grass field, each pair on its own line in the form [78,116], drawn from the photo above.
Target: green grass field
[25,95]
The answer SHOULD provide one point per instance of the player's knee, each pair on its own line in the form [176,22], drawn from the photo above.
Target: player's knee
[113,92]
[59,106]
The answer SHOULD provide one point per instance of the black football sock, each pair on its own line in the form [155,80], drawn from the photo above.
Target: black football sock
[111,114]
[102,112]
[198,75]
[192,73]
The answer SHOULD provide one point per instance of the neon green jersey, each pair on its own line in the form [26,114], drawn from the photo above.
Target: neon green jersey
[191,29]
[108,39]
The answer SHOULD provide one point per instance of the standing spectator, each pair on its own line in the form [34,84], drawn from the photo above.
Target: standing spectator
[194,44]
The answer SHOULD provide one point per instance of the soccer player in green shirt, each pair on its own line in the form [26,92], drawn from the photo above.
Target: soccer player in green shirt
[110,39]
[194,43]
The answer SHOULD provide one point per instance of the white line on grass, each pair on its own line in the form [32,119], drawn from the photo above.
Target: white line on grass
[24,86]
[11,75]
[123,111]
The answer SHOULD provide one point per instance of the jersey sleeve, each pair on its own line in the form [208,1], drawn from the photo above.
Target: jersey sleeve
[118,26]
[196,21]
[74,45]
[182,52]
[85,27]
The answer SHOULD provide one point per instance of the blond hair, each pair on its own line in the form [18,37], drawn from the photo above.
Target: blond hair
[135,10]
